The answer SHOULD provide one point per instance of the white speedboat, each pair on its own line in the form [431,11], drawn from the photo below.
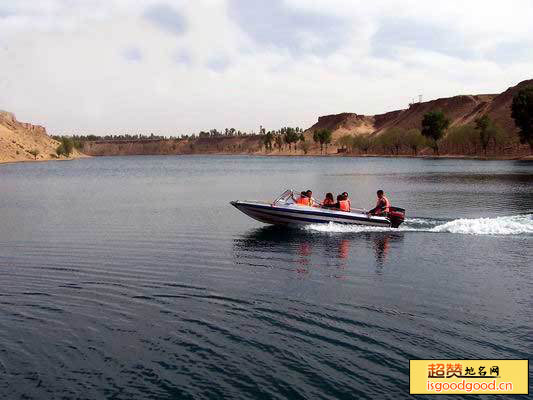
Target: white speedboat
[285,211]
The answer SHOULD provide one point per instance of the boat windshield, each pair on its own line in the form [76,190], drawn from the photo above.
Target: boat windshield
[287,197]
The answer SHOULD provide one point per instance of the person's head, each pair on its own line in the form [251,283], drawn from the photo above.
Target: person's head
[303,194]
[329,196]
[345,195]
[339,197]
[380,193]
[309,193]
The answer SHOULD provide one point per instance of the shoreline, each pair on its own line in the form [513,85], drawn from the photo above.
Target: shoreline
[45,160]
[450,156]
[425,156]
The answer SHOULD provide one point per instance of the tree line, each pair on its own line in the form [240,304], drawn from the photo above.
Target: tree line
[279,138]
[465,139]
[212,133]
[435,132]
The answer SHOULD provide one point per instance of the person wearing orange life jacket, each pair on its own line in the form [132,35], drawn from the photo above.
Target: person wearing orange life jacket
[306,199]
[344,203]
[382,205]
[303,200]
[312,202]
[328,201]
[345,194]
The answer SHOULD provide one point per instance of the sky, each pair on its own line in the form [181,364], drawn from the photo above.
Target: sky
[180,66]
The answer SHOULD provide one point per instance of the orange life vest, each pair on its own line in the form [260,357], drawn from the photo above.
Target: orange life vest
[303,201]
[344,205]
[328,202]
[386,208]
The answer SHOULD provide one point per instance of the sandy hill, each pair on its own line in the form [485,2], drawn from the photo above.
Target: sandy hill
[18,139]
[461,110]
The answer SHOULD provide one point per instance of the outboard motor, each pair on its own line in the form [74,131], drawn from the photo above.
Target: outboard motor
[396,216]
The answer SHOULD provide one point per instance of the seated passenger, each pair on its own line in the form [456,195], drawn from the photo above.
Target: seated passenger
[345,194]
[337,205]
[382,206]
[328,201]
[312,201]
[344,203]
[303,200]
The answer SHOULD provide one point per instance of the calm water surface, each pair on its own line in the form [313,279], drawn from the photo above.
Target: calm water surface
[132,277]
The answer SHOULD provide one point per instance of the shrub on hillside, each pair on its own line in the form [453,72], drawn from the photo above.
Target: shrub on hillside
[65,148]
[34,153]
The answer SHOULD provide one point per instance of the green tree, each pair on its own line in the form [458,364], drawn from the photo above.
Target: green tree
[393,138]
[364,143]
[434,124]
[305,146]
[487,131]
[361,142]
[322,136]
[384,140]
[34,153]
[415,140]
[67,145]
[462,137]
[279,142]
[316,138]
[522,113]
[291,136]
[268,139]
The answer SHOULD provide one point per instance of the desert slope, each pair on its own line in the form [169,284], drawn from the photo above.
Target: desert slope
[18,139]
[462,109]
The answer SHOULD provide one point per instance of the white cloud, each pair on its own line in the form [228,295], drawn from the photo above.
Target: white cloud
[179,66]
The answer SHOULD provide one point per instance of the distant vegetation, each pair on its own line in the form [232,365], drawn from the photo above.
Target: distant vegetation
[480,136]
[34,153]
[467,139]
[66,147]
[213,133]
[322,136]
[434,124]
[284,136]
[522,113]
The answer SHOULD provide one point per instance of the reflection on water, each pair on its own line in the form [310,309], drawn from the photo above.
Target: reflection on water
[382,244]
[265,246]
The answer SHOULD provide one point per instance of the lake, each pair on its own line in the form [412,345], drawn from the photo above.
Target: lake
[133,277]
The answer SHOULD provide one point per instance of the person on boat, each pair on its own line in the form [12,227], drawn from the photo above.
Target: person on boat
[328,201]
[382,206]
[345,194]
[303,200]
[312,202]
[344,202]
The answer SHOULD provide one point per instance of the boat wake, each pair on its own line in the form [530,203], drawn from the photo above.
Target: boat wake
[509,225]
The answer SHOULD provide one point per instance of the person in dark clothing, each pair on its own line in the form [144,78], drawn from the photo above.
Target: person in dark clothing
[382,206]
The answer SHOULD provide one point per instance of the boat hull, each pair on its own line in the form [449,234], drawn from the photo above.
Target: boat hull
[302,215]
